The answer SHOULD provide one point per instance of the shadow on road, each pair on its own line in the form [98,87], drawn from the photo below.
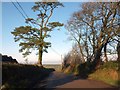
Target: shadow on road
[55,79]
[58,80]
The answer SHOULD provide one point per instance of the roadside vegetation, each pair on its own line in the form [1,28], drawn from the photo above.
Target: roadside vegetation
[108,72]
[95,33]
[22,76]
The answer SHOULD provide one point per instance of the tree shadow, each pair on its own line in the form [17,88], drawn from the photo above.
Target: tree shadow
[51,84]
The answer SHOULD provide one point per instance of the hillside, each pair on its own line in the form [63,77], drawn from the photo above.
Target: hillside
[108,72]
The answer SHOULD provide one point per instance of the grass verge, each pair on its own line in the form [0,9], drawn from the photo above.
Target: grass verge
[108,72]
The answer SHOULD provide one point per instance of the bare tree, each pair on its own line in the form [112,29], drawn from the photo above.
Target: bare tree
[93,27]
[73,58]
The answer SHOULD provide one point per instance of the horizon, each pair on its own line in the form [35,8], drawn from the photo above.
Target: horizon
[111,57]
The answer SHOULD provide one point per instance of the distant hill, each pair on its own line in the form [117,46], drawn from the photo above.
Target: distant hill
[5,58]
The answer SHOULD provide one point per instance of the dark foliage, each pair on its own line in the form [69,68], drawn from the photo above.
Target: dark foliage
[9,59]
[22,76]
[85,69]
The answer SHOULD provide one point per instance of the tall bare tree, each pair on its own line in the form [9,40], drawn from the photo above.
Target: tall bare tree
[95,25]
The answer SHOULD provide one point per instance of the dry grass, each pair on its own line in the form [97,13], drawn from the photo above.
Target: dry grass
[108,73]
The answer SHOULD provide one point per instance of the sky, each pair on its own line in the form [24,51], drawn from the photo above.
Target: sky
[11,18]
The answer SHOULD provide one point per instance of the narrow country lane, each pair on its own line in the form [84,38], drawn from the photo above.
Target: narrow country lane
[58,80]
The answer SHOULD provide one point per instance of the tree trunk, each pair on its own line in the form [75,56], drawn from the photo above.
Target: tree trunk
[41,46]
[97,61]
[118,51]
[105,53]
[40,57]
[82,55]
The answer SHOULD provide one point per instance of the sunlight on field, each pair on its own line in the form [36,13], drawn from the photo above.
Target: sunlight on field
[57,67]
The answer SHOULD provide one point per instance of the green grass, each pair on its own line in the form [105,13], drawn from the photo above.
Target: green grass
[107,73]
[22,76]
[110,65]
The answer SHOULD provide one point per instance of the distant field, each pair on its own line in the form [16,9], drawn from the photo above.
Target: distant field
[57,67]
